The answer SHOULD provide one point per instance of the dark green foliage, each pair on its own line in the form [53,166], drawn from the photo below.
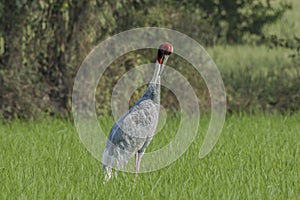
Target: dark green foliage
[43,43]
[275,90]
[236,20]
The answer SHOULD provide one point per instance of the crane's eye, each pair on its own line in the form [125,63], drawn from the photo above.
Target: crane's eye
[162,52]
[167,52]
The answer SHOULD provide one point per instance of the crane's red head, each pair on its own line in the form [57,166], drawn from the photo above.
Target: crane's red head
[164,50]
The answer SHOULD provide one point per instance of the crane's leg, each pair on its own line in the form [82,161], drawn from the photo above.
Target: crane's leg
[139,154]
[138,158]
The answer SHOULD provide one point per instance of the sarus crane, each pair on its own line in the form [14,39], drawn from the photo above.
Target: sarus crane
[134,130]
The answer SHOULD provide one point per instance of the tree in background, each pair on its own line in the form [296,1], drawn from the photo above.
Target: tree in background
[233,19]
[42,43]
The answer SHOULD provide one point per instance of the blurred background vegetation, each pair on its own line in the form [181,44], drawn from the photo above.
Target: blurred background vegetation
[255,44]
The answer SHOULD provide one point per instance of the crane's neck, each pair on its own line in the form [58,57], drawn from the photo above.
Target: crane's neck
[156,75]
[153,90]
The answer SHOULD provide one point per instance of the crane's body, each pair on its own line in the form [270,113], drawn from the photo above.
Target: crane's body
[132,133]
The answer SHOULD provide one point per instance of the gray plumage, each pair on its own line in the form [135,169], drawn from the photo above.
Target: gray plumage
[132,133]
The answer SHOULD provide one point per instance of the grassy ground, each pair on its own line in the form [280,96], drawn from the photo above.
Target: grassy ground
[256,157]
[258,58]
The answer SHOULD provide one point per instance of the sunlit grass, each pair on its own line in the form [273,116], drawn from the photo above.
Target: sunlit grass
[256,157]
[259,58]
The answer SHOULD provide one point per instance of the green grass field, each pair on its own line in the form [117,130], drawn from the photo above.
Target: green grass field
[256,157]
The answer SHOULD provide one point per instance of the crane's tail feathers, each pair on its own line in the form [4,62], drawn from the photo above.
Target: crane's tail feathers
[107,174]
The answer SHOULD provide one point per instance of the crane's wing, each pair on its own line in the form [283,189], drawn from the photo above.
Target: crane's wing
[141,120]
[131,133]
